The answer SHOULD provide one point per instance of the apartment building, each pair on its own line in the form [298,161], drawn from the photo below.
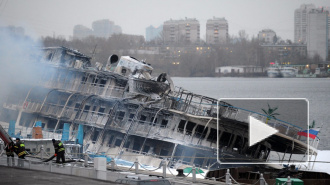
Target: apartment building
[216,31]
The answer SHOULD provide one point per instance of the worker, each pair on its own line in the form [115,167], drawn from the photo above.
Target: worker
[59,151]
[20,151]
[10,154]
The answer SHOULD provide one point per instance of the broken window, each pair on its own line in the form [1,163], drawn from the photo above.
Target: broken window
[95,136]
[225,139]
[190,126]
[143,118]
[213,135]
[154,123]
[101,111]
[86,108]
[110,140]
[146,149]
[199,159]
[136,146]
[83,79]
[181,125]
[164,123]
[200,132]
[103,82]
[163,152]
[120,115]
[95,80]
[118,142]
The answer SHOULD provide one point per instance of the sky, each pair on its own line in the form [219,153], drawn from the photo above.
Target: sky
[48,18]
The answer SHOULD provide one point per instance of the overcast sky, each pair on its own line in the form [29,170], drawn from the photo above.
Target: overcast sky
[46,17]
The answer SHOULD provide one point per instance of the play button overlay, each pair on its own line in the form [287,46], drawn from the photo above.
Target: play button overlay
[259,131]
[262,131]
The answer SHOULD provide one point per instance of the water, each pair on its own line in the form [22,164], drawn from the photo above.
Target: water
[316,90]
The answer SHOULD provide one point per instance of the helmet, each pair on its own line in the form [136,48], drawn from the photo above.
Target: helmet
[53,140]
[18,139]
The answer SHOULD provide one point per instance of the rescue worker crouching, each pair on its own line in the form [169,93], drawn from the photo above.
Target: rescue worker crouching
[59,151]
[10,153]
[20,151]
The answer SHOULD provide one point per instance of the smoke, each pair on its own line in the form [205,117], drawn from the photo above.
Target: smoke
[18,61]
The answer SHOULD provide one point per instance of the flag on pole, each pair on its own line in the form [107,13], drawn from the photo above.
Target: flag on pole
[312,133]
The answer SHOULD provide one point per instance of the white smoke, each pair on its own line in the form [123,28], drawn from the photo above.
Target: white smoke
[18,57]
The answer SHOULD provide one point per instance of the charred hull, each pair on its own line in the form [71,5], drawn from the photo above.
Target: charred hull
[128,114]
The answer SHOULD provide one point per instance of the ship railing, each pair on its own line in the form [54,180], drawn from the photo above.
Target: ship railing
[243,115]
[86,88]
[149,129]
[26,132]
[69,113]
[201,108]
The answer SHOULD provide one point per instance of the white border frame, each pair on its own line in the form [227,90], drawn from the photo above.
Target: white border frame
[220,99]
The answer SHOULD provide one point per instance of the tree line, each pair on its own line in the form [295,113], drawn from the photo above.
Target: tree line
[180,59]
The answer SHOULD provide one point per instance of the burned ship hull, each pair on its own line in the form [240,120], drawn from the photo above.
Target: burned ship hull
[128,114]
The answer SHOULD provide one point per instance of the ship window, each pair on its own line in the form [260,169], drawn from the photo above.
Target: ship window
[96,134]
[127,144]
[154,121]
[121,115]
[77,105]
[181,126]
[118,142]
[47,149]
[110,140]
[103,82]
[94,108]
[163,152]
[136,146]
[225,139]
[95,81]
[213,135]
[200,132]
[87,107]
[190,127]
[146,149]
[83,80]
[142,119]
[199,159]
[101,111]
[164,123]
[131,116]
[238,143]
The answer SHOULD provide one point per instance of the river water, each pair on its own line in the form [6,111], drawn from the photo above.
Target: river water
[315,90]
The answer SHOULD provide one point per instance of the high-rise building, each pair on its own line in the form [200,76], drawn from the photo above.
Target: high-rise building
[267,36]
[152,33]
[300,22]
[80,32]
[317,33]
[101,28]
[216,31]
[185,31]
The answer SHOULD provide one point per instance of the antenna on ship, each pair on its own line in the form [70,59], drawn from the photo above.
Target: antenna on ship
[93,53]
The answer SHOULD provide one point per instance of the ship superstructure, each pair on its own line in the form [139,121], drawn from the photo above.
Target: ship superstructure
[128,114]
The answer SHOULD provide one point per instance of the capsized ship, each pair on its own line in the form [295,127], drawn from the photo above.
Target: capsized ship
[125,112]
